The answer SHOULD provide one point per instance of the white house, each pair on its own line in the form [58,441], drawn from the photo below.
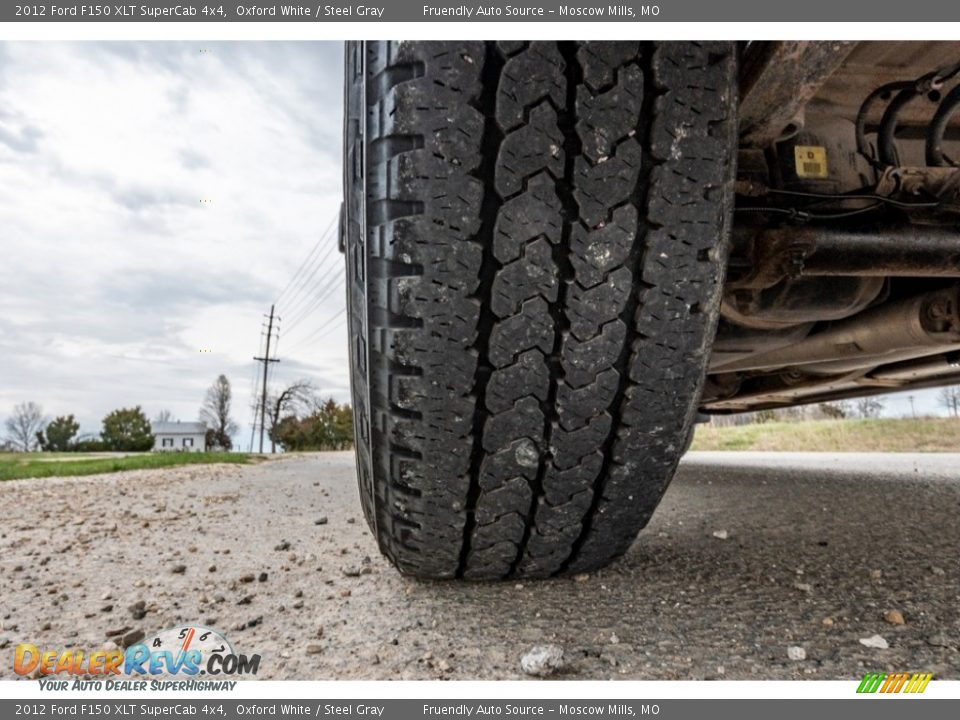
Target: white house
[179,436]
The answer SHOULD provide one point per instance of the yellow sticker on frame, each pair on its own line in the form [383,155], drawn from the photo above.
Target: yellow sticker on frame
[811,161]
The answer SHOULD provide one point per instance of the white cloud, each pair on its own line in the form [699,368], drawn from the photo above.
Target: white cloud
[157,196]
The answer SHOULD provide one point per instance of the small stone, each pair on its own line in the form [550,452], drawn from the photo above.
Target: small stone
[262,577]
[938,641]
[132,638]
[581,578]
[314,649]
[542,660]
[245,600]
[106,608]
[875,641]
[351,571]
[351,521]
[876,574]
[118,631]
[321,520]
[937,570]
[212,568]
[248,578]
[138,610]
[178,569]
[46,626]
[284,545]
[795,652]
[721,534]
[894,617]
[803,587]
[827,622]
[443,666]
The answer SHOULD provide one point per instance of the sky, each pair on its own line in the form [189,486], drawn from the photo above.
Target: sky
[157,198]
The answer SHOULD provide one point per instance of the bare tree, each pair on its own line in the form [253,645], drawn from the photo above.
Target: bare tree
[949,397]
[215,412]
[22,427]
[163,416]
[869,407]
[287,401]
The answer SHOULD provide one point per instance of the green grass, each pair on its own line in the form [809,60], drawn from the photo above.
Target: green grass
[874,435]
[37,465]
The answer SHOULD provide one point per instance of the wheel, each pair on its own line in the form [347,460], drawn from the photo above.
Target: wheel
[535,238]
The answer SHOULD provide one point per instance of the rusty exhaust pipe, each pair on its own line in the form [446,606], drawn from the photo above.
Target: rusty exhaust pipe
[919,326]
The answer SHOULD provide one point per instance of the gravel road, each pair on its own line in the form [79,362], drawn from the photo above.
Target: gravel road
[756,566]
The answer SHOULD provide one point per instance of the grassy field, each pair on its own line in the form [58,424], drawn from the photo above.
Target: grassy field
[880,435]
[35,465]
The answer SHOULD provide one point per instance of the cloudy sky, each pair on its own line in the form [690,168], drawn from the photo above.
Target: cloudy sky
[157,197]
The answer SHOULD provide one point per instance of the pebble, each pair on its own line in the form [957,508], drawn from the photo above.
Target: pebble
[284,545]
[875,641]
[795,652]
[118,631]
[314,649]
[582,577]
[937,570]
[132,638]
[248,578]
[321,521]
[178,569]
[876,574]
[106,608]
[212,568]
[828,622]
[138,610]
[803,587]
[894,617]
[721,534]
[262,577]
[542,660]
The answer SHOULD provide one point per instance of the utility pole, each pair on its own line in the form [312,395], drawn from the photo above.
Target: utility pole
[913,410]
[266,360]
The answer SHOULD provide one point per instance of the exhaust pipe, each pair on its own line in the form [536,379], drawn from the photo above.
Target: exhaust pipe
[923,325]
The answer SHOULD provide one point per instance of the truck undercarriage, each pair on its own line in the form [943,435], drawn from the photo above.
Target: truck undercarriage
[843,273]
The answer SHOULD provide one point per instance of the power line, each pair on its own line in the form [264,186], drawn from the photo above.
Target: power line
[318,301]
[332,273]
[326,326]
[304,262]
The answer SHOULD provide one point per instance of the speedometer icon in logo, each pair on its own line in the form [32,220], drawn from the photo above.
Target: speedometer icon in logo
[181,650]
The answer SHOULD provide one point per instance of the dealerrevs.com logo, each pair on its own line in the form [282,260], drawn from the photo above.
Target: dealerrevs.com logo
[173,659]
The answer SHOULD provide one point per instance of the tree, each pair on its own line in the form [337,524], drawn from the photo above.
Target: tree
[215,412]
[127,430]
[23,426]
[869,407]
[59,435]
[834,410]
[328,426]
[286,403]
[163,416]
[949,397]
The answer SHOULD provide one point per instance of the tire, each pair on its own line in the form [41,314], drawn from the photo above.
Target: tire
[535,237]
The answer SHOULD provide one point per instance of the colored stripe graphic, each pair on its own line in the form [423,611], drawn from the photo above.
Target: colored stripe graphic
[894,683]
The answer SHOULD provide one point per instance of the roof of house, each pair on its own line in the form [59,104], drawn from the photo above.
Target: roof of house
[178,428]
